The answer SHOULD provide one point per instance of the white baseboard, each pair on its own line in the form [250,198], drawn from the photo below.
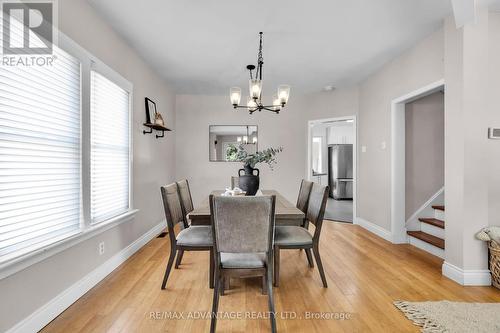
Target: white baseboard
[467,277]
[45,314]
[374,228]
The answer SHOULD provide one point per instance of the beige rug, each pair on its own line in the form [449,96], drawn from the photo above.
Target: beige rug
[445,316]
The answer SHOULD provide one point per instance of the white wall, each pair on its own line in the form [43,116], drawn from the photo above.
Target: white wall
[493,146]
[472,161]
[424,150]
[418,67]
[288,129]
[27,290]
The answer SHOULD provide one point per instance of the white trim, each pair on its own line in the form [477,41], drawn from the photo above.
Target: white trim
[374,228]
[309,176]
[469,277]
[424,246]
[42,316]
[398,221]
[425,210]
[19,263]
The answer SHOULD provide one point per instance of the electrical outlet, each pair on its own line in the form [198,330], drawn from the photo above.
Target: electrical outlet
[383,145]
[363,149]
[101,248]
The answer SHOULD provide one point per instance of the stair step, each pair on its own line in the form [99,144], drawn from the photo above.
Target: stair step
[435,222]
[438,207]
[433,240]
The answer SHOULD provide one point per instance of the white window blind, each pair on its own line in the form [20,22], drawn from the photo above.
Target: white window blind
[39,154]
[109,111]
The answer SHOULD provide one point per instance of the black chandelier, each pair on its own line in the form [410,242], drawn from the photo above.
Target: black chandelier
[255,98]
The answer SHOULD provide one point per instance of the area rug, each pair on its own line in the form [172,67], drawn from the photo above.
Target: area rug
[445,316]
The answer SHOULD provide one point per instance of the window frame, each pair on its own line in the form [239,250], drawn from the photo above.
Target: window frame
[88,63]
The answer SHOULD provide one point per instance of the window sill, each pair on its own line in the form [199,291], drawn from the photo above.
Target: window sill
[16,264]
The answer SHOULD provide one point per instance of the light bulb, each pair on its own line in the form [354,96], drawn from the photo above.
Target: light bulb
[254,139]
[283,93]
[255,88]
[235,95]
[238,139]
[245,139]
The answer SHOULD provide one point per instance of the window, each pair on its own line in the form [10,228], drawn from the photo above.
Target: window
[64,153]
[40,176]
[109,109]
[317,161]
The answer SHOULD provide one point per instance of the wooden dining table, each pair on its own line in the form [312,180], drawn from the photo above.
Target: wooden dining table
[286,213]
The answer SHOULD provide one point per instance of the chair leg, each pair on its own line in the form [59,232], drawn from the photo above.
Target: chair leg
[223,286]
[309,258]
[169,267]
[276,266]
[211,268]
[215,303]
[320,265]
[180,254]
[271,299]
[264,285]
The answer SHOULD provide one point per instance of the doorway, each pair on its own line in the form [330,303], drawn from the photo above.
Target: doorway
[331,160]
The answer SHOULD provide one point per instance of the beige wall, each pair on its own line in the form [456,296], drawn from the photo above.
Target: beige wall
[288,129]
[424,151]
[418,67]
[26,291]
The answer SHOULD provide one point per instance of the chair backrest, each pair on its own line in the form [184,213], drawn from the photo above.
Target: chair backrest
[172,206]
[185,195]
[235,182]
[316,206]
[304,192]
[243,224]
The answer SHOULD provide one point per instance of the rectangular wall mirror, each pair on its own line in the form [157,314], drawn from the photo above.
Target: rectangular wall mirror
[224,141]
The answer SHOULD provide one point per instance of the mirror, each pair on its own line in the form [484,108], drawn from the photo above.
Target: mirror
[224,141]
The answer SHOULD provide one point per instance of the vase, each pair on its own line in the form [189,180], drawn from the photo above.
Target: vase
[249,182]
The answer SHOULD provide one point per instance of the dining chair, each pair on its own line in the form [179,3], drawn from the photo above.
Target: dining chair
[235,182]
[295,237]
[302,203]
[187,207]
[243,229]
[192,238]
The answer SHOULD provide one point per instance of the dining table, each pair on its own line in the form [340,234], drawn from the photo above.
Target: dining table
[285,212]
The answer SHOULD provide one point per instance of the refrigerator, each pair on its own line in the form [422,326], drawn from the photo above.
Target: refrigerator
[340,171]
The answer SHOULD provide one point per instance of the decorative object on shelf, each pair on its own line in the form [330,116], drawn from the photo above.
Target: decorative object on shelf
[255,98]
[249,182]
[150,111]
[159,119]
[154,120]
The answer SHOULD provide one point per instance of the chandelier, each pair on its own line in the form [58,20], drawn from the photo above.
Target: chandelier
[254,102]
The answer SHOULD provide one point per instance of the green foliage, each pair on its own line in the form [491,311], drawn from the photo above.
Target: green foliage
[232,153]
[267,156]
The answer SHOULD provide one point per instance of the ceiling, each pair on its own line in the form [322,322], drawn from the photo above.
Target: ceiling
[203,46]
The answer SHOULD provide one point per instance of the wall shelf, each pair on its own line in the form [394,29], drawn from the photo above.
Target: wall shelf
[157,128]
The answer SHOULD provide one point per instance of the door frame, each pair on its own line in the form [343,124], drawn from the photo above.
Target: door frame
[308,174]
[398,155]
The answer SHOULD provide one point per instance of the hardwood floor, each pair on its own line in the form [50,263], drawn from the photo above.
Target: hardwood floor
[365,275]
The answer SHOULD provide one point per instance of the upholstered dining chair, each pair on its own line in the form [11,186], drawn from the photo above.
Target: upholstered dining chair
[187,207]
[243,229]
[192,238]
[295,237]
[235,182]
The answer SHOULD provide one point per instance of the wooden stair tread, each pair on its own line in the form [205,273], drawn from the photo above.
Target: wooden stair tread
[423,236]
[438,207]
[432,221]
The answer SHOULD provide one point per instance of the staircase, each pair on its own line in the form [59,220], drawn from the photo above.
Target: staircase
[430,238]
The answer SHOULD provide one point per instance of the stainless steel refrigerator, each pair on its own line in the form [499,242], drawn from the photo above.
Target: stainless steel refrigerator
[340,171]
